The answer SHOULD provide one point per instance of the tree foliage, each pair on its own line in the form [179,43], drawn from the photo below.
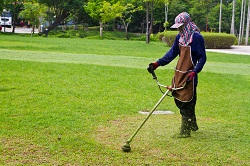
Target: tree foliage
[132,13]
[32,12]
[104,11]
[61,9]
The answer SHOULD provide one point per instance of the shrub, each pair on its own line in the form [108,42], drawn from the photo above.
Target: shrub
[82,34]
[168,37]
[218,40]
[212,40]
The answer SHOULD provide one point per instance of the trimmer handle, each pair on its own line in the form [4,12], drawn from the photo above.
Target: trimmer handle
[154,75]
[151,71]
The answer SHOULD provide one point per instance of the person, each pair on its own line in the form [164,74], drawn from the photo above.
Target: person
[189,45]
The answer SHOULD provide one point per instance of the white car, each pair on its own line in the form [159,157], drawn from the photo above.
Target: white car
[6,22]
[6,19]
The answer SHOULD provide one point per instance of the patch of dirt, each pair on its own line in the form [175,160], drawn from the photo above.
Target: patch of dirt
[154,138]
[17,151]
[118,131]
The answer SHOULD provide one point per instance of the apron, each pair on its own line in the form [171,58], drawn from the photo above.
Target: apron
[183,67]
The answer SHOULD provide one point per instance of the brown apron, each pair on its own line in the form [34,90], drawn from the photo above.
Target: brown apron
[183,67]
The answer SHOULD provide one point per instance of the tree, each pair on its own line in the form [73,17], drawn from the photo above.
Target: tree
[166,4]
[220,16]
[248,22]
[1,6]
[150,21]
[176,7]
[213,18]
[233,19]
[128,9]
[147,23]
[33,11]
[237,10]
[61,9]
[103,11]
[241,20]
[200,17]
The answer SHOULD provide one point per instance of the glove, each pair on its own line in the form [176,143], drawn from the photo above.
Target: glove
[169,87]
[191,76]
[152,67]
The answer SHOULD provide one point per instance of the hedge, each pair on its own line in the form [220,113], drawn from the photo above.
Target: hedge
[212,40]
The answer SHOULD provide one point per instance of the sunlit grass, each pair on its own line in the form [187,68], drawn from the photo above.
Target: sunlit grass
[72,106]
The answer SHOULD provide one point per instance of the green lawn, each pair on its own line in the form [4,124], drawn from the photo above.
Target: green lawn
[75,102]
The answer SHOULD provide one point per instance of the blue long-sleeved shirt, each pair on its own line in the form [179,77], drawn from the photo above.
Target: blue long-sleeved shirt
[198,53]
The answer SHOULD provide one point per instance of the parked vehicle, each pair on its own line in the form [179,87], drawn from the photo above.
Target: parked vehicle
[6,19]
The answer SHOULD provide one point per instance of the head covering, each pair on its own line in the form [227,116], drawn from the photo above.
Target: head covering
[186,36]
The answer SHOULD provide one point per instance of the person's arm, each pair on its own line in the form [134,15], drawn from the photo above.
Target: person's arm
[202,58]
[171,54]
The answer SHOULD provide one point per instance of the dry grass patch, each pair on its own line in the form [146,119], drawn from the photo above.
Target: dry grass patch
[16,151]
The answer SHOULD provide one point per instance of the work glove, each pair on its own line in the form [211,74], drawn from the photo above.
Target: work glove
[191,76]
[169,87]
[152,67]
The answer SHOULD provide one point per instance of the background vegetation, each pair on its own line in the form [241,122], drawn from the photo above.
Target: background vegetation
[143,16]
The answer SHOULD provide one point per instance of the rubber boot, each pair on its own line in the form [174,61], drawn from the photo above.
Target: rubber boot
[194,126]
[185,128]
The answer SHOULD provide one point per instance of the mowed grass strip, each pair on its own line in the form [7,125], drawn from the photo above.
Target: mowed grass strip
[102,47]
[122,61]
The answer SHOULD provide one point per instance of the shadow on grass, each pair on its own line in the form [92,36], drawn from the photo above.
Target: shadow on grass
[6,89]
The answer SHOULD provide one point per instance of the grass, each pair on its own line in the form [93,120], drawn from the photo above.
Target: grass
[75,101]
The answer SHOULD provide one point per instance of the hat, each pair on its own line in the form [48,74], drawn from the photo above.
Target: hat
[181,19]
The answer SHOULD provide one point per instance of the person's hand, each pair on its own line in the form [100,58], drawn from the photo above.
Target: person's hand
[152,67]
[191,76]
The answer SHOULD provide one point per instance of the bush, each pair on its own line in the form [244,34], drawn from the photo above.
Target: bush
[212,40]
[168,37]
[218,40]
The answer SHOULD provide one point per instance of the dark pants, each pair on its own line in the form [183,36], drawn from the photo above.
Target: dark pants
[187,109]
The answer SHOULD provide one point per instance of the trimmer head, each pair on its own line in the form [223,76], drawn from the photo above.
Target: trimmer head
[126,147]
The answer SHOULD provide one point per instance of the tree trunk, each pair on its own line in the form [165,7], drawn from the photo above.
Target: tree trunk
[126,28]
[152,18]
[57,22]
[233,18]
[248,22]
[14,17]
[147,23]
[101,29]
[166,12]
[206,23]
[243,21]
[51,27]
[220,16]
[241,15]
[33,29]
[142,27]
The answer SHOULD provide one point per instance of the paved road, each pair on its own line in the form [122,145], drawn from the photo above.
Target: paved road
[243,50]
